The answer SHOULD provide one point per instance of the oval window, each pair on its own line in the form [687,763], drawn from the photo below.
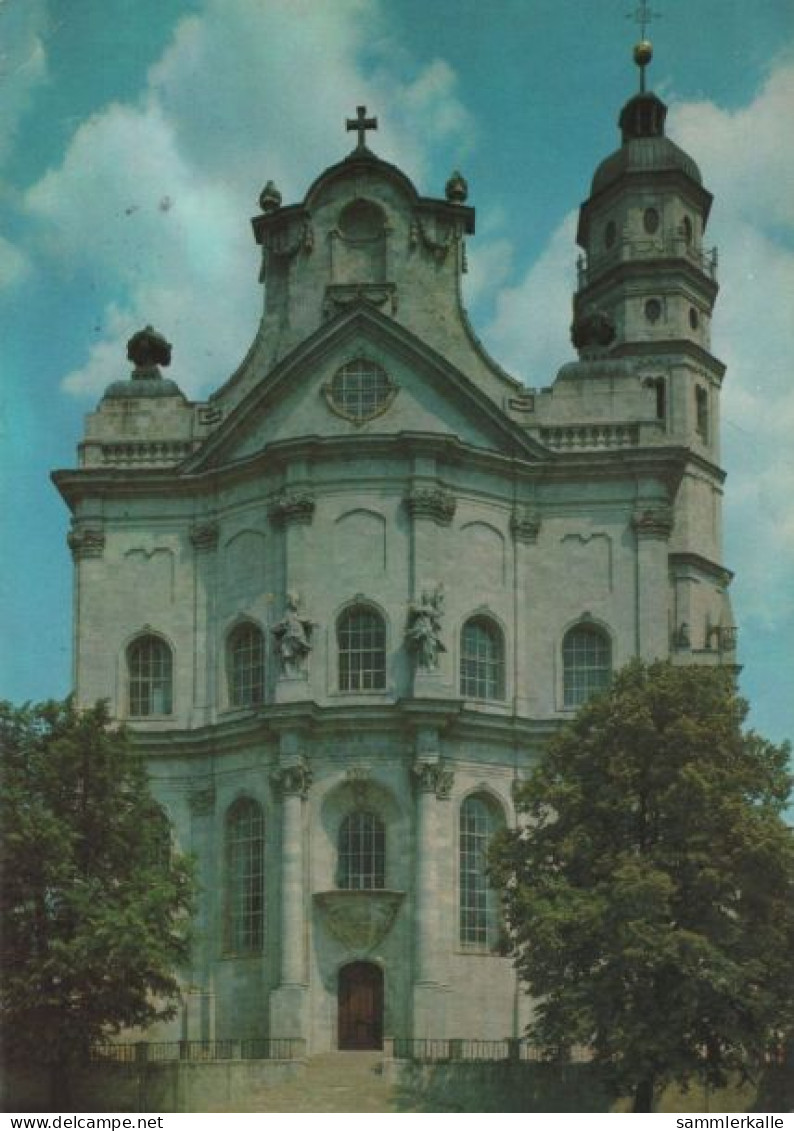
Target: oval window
[650,221]
[653,310]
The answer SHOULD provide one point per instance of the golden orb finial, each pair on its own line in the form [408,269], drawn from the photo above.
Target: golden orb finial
[643,53]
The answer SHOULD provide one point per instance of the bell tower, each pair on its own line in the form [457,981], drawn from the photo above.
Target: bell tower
[646,274]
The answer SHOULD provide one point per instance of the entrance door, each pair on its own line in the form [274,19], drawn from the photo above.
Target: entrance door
[361,1006]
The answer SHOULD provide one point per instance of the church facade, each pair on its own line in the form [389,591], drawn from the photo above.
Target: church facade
[344,602]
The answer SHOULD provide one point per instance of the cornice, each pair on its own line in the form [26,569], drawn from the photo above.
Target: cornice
[704,565]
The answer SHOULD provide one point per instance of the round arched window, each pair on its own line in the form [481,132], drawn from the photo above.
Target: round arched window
[610,232]
[360,390]
[694,318]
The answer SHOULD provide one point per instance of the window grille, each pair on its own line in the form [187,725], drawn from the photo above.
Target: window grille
[362,852]
[482,660]
[587,664]
[361,636]
[479,911]
[150,677]
[361,389]
[247,666]
[245,878]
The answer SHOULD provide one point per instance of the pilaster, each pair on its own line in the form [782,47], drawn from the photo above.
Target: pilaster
[432,785]
[288,1003]
[652,524]
[204,540]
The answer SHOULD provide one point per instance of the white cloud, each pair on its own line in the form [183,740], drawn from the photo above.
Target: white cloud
[14,264]
[23,63]
[748,163]
[530,332]
[154,198]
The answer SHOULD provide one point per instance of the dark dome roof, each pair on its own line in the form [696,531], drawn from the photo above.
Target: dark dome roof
[142,387]
[644,155]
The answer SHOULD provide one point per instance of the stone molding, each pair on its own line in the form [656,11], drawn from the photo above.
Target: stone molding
[204,535]
[292,507]
[653,521]
[86,542]
[431,502]
[293,780]
[525,524]
[433,777]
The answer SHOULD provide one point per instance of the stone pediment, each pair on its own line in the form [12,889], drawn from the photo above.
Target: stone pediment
[362,373]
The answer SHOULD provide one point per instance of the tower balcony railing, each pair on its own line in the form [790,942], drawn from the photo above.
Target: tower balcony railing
[630,250]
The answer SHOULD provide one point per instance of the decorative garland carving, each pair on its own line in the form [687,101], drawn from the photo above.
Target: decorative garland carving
[292,506]
[653,521]
[439,249]
[293,780]
[525,524]
[204,535]
[433,777]
[86,542]
[431,502]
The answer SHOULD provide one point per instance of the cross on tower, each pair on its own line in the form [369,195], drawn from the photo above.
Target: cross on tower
[361,123]
[643,15]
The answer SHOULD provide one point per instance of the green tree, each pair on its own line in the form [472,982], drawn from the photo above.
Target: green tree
[95,907]
[649,893]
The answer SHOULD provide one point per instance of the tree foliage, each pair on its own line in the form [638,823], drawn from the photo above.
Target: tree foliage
[95,907]
[649,894]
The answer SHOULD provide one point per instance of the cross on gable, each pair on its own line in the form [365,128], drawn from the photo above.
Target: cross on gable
[361,123]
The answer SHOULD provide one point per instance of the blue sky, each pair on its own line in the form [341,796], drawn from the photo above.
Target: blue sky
[135,136]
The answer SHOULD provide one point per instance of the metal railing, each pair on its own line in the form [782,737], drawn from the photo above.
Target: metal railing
[163,1052]
[429,1050]
[675,247]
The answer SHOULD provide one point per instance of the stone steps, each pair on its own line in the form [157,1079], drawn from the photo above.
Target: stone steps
[337,1081]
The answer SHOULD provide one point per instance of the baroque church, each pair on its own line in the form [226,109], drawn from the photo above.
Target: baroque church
[343,603]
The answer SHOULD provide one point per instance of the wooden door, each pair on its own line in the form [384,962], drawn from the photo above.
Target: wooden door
[361,1006]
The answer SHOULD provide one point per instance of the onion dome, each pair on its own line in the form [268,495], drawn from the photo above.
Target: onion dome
[645,148]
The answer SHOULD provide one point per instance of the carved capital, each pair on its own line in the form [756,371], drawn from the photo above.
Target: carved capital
[293,780]
[525,524]
[202,800]
[292,506]
[204,535]
[653,521]
[86,542]
[433,777]
[431,502]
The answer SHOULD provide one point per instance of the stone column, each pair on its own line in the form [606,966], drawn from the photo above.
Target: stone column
[291,782]
[204,539]
[433,782]
[652,525]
